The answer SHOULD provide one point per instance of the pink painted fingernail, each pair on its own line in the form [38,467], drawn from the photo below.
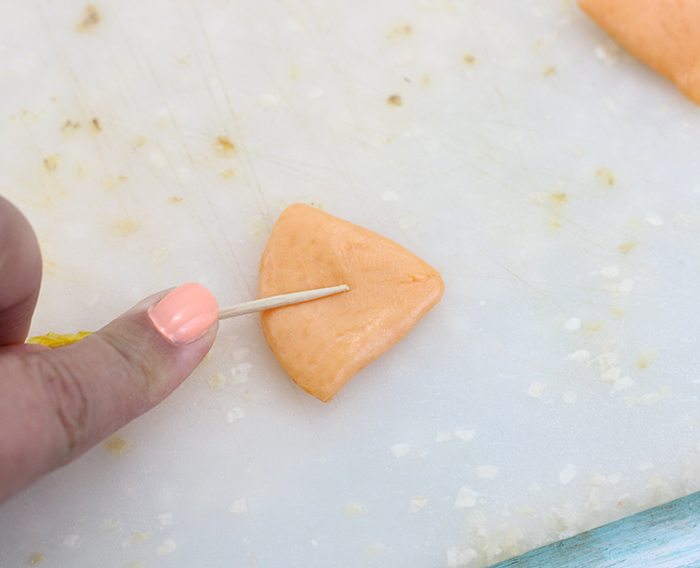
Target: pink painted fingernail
[185,314]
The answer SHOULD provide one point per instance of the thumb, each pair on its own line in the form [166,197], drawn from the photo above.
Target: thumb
[55,404]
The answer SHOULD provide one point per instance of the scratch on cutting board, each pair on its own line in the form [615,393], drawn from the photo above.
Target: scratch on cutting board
[232,114]
[231,252]
[141,140]
[531,286]
[345,172]
[74,80]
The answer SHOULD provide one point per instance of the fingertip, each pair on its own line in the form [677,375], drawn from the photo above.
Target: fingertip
[185,314]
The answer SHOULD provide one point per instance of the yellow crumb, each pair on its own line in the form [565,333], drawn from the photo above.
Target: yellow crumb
[117,445]
[54,340]
[627,247]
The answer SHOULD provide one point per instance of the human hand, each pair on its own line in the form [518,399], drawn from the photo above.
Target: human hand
[57,403]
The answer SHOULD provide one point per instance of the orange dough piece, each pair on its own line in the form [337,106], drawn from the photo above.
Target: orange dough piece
[664,34]
[321,344]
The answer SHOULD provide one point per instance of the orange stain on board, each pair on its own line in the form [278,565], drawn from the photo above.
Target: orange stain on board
[224,145]
[91,17]
[322,344]
[394,100]
[125,227]
[116,445]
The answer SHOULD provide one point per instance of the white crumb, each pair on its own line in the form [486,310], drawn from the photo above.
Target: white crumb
[654,220]
[235,414]
[536,390]
[464,435]
[168,546]
[569,397]
[400,450]
[466,497]
[238,507]
[456,557]
[567,474]
[580,356]
[418,503]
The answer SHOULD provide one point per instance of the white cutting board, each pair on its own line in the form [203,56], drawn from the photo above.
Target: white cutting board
[520,172]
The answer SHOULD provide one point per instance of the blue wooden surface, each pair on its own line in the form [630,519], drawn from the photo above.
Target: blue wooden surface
[667,536]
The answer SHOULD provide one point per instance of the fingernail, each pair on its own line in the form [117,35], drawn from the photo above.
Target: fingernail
[185,314]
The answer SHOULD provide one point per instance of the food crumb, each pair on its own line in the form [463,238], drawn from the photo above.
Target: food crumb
[139,142]
[116,445]
[567,474]
[549,71]
[96,126]
[352,510]
[569,397]
[644,361]
[35,559]
[400,32]
[224,145]
[622,384]
[605,176]
[140,536]
[626,286]
[654,220]
[238,507]
[591,327]
[175,199]
[91,18]
[69,126]
[456,557]
[125,227]
[394,100]
[52,162]
[69,541]
[572,324]
[229,173]
[627,247]
[558,197]
[418,503]
[217,380]
[580,356]
[617,311]
[235,414]
[464,435]
[400,450]
[469,58]
[168,546]
[536,390]
[466,498]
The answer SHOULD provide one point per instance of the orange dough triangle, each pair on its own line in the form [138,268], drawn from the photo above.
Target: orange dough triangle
[323,343]
[664,34]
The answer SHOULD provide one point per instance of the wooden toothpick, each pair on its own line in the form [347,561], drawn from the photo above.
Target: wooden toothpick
[279,301]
